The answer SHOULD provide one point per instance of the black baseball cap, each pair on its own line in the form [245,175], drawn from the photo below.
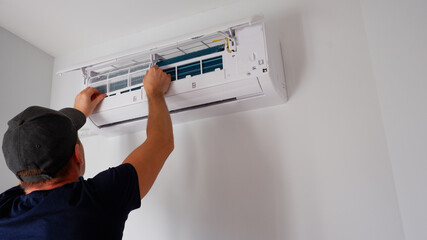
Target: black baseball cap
[40,138]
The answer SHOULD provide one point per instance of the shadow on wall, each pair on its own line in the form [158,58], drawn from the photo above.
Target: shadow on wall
[288,26]
[231,184]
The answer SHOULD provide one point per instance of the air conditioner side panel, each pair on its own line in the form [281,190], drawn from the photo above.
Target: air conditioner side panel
[259,54]
[276,73]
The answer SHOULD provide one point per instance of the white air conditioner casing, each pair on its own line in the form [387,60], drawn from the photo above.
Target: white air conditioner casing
[222,70]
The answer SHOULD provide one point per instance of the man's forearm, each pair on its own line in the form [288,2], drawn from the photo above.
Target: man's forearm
[149,157]
[159,124]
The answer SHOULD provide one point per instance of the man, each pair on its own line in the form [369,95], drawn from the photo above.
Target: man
[53,201]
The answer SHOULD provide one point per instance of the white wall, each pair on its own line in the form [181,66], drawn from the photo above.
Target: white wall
[316,167]
[397,39]
[26,76]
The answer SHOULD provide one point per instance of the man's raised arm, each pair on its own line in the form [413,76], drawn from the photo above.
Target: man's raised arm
[149,157]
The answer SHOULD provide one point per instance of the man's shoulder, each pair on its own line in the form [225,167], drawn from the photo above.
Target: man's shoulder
[16,190]
[10,194]
[125,172]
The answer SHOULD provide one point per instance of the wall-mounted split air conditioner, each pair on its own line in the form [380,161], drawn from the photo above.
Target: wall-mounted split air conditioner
[222,70]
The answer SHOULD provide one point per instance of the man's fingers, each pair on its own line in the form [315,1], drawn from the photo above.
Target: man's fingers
[93,96]
[90,91]
[98,99]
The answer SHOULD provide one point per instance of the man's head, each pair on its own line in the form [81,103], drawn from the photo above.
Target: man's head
[41,141]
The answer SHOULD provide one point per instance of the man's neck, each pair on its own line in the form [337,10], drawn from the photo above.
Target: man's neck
[47,186]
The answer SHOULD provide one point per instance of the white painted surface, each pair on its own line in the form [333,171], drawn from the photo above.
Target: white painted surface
[25,76]
[398,44]
[316,167]
[62,27]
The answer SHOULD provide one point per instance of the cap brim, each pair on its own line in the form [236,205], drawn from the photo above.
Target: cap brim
[77,117]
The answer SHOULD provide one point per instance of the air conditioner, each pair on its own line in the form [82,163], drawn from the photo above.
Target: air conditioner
[232,68]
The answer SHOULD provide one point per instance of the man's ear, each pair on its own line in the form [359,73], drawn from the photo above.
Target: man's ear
[77,154]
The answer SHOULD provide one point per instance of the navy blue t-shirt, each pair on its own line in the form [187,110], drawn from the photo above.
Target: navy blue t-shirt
[95,208]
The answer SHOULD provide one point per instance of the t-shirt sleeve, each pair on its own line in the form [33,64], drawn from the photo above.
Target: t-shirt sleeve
[117,188]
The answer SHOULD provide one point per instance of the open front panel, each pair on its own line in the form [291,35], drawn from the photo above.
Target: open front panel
[176,103]
[126,74]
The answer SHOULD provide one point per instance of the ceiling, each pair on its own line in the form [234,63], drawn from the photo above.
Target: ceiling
[59,27]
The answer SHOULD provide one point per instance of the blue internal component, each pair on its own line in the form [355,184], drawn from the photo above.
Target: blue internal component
[102,89]
[187,56]
[171,71]
[192,69]
[209,65]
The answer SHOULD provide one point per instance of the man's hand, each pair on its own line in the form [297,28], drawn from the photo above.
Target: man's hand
[156,82]
[87,100]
